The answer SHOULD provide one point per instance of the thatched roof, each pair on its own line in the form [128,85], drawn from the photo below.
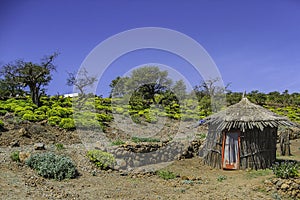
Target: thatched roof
[246,115]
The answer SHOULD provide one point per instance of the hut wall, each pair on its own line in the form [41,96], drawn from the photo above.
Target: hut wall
[213,156]
[258,148]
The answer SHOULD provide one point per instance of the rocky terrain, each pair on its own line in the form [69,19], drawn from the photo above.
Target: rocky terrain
[131,179]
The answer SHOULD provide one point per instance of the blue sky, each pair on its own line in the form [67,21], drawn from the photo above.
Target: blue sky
[255,44]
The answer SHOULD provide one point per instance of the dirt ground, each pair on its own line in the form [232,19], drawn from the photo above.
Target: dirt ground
[195,180]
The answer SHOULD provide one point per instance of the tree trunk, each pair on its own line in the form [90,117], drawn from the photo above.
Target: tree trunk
[34,91]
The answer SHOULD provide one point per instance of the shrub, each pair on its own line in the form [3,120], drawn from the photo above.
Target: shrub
[42,109]
[3,112]
[67,123]
[40,117]
[50,165]
[29,117]
[286,170]
[1,123]
[118,142]
[59,146]
[15,156]
[104,117]
[103,160]
[54,120]
[166,175]
[221,178]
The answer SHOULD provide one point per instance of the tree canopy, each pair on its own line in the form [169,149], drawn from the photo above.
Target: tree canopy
[19,75]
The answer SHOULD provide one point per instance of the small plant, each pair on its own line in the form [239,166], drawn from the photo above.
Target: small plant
[54,120]
[103,160]
[3,112]
[67,123]
[202,136]
[118,142]
[15,156]
[221,178]
[286,170]
[138,139]
[59,146]
[1,123]
[50,165]
[166,175]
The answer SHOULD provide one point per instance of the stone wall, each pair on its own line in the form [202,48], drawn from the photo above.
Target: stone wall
[285,187]
[133,155]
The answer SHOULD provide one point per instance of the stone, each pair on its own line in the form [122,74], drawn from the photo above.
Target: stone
[39,146]
[24,132]
[23,156]
[185,178]
[284,186]
[15,143]
[121,163]
[279,183]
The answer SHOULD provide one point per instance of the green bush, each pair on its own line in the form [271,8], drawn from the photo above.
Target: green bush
[104,117]
[103,160]
[67,123]
[50,165]
[221,178]
[3,112]
[118,142]
[59,146]
[286,169]
[1,123]
[166,175]
[40,117]
[15,156]
[54,120]
[29,117]
[42,110]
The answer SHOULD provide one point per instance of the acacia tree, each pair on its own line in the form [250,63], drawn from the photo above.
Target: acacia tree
[30,75]
[144,82]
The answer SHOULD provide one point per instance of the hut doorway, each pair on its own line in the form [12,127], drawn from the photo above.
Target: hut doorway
[230,150]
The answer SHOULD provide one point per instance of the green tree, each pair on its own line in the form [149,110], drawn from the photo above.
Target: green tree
[179,89]
[144,83]
[257,97]
[32,75]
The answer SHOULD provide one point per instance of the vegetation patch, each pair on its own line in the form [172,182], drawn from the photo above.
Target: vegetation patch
[59,146]
[285,170]
[1,123]
[50,165]
[103,160]
[118,142]
[15,156]
[221,178]
[166,175]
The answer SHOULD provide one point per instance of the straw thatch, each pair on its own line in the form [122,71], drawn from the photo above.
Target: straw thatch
[246,115]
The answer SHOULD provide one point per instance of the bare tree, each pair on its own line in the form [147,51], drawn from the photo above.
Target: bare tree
[81,80]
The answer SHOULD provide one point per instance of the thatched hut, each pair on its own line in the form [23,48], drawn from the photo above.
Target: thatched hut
[242,136]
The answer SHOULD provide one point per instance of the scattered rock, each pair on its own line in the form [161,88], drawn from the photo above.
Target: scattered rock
[284,186]
[23,156]
[39,146]
[15,143]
